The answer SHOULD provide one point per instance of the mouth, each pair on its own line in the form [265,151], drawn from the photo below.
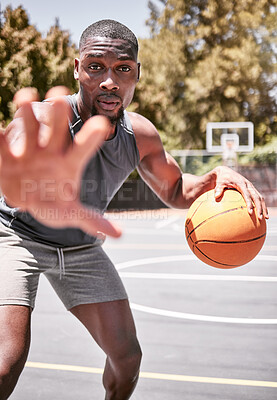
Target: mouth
[108,102]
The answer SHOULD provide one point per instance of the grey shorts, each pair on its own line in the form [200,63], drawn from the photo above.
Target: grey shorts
[79,275]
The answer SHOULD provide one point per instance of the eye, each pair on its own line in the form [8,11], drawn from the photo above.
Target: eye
[124,68]
[95,67]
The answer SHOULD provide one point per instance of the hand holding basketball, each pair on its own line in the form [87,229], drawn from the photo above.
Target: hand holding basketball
[228,178]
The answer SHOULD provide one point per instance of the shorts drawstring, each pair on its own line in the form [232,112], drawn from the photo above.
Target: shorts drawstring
[61,262]
[60,252]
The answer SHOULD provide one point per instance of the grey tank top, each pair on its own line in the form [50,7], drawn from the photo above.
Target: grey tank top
[104,175]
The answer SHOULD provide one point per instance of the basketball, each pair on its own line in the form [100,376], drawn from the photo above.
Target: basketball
[221,233]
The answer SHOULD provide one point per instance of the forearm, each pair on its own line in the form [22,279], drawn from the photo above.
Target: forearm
[174,188]
[190,187]
[220,178]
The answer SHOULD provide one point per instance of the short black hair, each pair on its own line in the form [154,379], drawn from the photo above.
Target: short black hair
[110,29]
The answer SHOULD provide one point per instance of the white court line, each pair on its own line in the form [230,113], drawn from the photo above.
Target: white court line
[191,277]
[149,232]
[183,257]
[155,260]
[203,318]
[196,317]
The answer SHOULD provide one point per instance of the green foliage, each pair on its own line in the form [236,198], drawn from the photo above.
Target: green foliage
[265,155]
[27,59]
[20,60]
[206,61]
[209,61]
[61,56]
[262,155]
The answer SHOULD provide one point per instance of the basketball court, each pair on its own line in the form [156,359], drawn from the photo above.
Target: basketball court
[205,333]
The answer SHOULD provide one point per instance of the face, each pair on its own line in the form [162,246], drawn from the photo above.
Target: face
[107,72]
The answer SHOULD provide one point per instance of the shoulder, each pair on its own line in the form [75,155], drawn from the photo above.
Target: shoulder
[142,125]
[147,137]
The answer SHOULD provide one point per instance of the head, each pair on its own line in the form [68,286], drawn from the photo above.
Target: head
[107,69]
[110,29]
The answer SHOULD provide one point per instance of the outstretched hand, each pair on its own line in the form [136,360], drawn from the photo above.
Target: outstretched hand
[227,178]
[45,179]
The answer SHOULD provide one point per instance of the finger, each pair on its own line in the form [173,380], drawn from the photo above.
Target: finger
[59,125]
[242,188]
[265,209]
[4,148]
[259,201]
[254,200]
[89,139]
[218,190]
[31,126]
[248,195]
[263,213]
[25,95]
[57,91]
[94,223]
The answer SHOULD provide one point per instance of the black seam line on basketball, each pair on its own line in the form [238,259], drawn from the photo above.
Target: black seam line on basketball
[200,204]
[214,216]
[216,262]
[231,241]
[188,221]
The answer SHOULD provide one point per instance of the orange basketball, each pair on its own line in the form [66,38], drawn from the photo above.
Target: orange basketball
[222,233]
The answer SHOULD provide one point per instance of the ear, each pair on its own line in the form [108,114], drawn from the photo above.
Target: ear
[76,69]
[138,71]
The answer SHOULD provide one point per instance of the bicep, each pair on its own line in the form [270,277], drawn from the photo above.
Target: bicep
[161,172]
[157,168]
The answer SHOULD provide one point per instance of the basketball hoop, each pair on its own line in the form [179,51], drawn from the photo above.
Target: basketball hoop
[229,139]
[230,145]
[243,130]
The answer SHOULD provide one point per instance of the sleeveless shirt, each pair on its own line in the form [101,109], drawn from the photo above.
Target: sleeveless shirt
[102,178]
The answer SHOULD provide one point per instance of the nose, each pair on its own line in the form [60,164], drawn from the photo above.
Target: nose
[109,83]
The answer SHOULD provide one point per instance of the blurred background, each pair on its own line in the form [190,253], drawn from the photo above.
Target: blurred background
[202,61]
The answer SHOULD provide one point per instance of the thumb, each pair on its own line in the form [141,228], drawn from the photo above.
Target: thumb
[90,138]
[218,190]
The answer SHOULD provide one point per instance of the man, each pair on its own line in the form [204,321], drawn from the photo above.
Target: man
[40,172]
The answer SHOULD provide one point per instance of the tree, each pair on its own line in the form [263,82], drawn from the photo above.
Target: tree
[210,61]
[22,58]
[61,54]
[28,59]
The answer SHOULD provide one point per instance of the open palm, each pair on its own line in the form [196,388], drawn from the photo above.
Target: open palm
[45,179]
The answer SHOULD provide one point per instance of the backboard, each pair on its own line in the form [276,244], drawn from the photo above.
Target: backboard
[241,134]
